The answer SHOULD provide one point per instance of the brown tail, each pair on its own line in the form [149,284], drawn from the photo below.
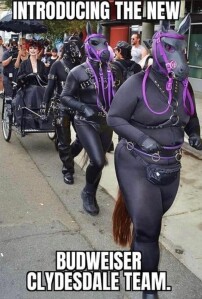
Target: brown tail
[121,222]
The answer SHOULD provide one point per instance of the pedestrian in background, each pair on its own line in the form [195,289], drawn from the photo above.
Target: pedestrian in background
[22,52]
[2,50]
[137,51]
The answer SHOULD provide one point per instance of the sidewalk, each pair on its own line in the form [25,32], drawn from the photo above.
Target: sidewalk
[186,147]
[181,228]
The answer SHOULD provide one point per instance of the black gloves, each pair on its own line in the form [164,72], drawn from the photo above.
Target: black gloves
[87,111]
[83,109]
[149,145]
[195,141]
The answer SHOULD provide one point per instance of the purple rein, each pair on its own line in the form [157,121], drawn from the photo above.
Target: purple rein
[168,72]
[110,79]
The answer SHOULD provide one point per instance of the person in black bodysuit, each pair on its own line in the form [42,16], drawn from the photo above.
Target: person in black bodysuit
[50,60]
[88,89]
[123,62]
[56,79]
[122,65]
[152,130]
[9,71]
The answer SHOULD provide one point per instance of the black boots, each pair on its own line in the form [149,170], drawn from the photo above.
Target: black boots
[150,296]
[89,202]
[68,178]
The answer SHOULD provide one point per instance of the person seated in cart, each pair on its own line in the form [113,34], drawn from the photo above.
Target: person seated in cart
[31,81]
[33,65]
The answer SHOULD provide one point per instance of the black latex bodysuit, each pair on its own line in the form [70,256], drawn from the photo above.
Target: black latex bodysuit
[56,80]
[132,120]
[94,133]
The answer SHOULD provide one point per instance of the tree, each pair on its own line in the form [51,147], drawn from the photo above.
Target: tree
[57,28]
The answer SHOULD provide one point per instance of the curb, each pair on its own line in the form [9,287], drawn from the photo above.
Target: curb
[192,151]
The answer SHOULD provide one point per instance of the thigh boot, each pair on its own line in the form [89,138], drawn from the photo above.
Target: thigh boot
[76,147]
[64,140]
[88,196]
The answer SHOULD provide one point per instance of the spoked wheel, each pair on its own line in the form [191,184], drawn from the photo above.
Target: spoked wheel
[6,121]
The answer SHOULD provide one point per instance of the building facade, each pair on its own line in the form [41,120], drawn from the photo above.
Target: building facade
[122,30]
[195,43]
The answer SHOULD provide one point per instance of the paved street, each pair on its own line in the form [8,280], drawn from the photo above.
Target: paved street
[39,215]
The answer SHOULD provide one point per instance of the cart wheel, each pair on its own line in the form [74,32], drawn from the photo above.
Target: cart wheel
[6,121]
[51,135]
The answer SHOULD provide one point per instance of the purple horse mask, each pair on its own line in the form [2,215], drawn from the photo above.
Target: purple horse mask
[96,48]
[168,49]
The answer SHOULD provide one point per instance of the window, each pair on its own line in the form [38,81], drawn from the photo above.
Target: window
[195,51]
[197,6]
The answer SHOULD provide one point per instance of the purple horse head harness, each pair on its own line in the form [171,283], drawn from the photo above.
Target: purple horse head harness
[96,48]
[168,69]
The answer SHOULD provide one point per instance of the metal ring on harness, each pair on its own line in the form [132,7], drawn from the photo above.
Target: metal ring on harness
[156,157]
[117,82]
[177,121]
[178,155]
[130,145]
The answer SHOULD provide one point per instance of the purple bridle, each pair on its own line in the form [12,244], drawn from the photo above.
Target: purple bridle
[110,80]
[170,65]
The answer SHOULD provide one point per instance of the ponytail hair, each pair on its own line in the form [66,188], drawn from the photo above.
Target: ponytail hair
[121,222]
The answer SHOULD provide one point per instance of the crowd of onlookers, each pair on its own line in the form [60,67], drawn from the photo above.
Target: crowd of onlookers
[14,52]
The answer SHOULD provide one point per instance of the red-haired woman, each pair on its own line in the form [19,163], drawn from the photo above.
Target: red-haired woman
[32,64]
[32,90]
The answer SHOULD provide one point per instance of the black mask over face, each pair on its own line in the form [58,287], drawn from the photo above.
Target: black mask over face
[71,50]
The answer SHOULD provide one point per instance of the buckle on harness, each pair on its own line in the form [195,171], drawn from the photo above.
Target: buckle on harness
[101,114]
[85,84]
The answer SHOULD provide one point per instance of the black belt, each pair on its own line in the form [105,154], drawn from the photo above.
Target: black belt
[157,156]
[173,121]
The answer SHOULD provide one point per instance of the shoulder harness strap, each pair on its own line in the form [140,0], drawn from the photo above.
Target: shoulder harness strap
[67,70]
